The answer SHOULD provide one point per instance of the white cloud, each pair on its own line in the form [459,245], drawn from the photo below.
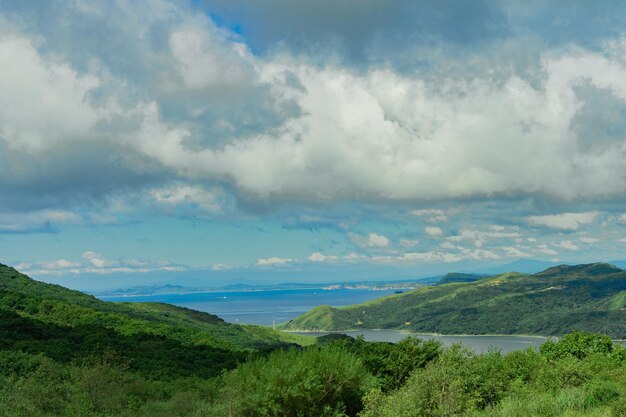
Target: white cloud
[447,245]
[43,102]
[319,257]
[353,257]
[377,241]
[622,218]
[588,239]
[564,221]
[412,257]
[59,264]
[96,259]
[328,132]
[479,237]
[566,244]
[433,215]
[373,240]
[273,261]
[187,194]
[96,263]
[462,148]
[623,240]
[479,254]
[205,59]
[409,243]
[543,248]
[433,231]
[514,252]
[220,267]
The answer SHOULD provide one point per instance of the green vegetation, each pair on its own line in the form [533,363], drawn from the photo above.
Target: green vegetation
[581,375]
[459,277]
[155,339]
[63,353]
[554,302]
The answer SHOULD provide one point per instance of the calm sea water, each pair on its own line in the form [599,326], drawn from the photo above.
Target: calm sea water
[479,344]
[266,307]
[261,307]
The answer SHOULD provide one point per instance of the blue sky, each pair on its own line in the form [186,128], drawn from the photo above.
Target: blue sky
[234,141]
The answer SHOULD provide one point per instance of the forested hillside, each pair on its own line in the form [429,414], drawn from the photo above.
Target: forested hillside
[553,302]
[155,339]
[64,353]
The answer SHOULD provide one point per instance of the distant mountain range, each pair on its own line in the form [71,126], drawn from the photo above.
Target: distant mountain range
[180,289]
[195,284]
[556,301]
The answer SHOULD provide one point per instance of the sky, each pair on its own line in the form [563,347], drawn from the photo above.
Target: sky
[229,141]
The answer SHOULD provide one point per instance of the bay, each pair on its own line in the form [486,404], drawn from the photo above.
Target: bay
[479,344]
[263,307]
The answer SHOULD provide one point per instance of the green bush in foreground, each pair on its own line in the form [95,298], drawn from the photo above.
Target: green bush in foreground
[392,363]
[328,382]
[581,375]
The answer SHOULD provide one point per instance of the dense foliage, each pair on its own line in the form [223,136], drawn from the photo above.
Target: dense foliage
[64,353]
[557,301]
[581,375]
[157,340]
[327,382]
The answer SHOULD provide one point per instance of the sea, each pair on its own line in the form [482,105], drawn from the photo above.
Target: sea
[263,307]
[275,306]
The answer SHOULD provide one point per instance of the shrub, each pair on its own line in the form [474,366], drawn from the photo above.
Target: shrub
[315,382]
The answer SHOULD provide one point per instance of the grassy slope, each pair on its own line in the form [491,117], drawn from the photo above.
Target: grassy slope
[556,301]
[35,316]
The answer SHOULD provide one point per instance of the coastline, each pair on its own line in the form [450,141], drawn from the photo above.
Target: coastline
[428,334]
[408,332]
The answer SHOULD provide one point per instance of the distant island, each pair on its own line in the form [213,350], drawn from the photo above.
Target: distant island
[167,288]
[561,299]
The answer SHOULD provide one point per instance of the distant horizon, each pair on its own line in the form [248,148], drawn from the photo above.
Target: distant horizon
[203,279]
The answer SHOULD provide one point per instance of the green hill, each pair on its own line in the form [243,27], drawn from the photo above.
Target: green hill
[156,339]
[459,277]
[553,302]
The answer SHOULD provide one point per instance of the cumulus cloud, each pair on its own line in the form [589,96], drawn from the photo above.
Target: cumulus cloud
[42,102]
[566,244]
[377,241]
[96,259]
[175,113]
[373,240]
[432,215]
[183,194]
[543,248]
[433,231]
[59,264]
[273,261]
[327,131]
[319,257]
[514,252]
[564,221]
[480,237]
[96,263]
[409,243]
[447,245]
